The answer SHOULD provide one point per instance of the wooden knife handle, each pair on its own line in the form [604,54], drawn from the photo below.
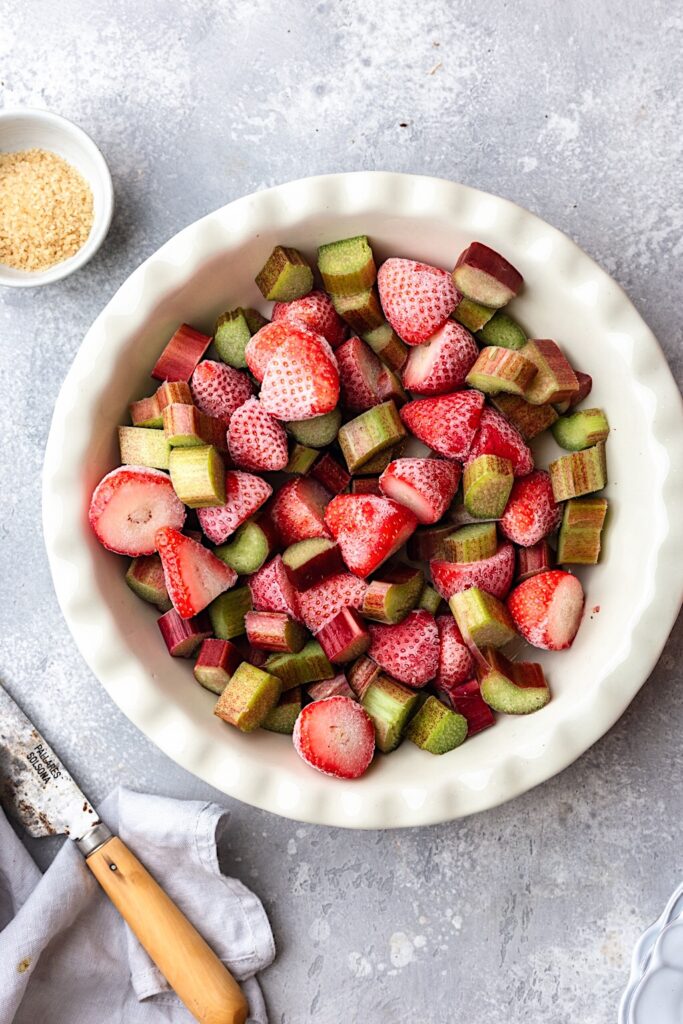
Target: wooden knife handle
[189,965]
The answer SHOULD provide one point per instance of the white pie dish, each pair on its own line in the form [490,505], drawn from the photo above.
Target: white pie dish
[210,266]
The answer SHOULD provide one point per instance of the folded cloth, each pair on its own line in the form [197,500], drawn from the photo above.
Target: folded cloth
[68,958]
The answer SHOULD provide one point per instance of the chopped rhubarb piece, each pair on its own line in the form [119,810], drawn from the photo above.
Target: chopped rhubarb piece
[244,495]
[301,379]
[503,331]
[183,636]
[347,266]
[455,660]
[369,529]
[447,423]
[344,637]
[255,319]
[219,390]
[496,436]
[512,687]
[555,381]
[579,473]
[145,412]
[217,661]
[335,736]
[580,430]
[247,549]
[378,463]
[309,665]
[361,674]
[298,510]
[185,426]
[181,355]
[272,590]
[285,276]
[274,631]
[537,558]
[468,701]
[429,543]
[317,432]
[193,575]
[437,729]
[198,476]
[282,717]
[145,577]
[441,365]
[472,315]
[581,531]
[494,574]
[529,420]
[532,512]
[142,446]
[585,388]
[248,697]
[366,485]
[256,440]
[426,486]
[486,277]
[390,707]
[228,613]
[429,600]
[472,543]
[319,603]
[367,435]
[390,598]
[386,344]
[362,311]
[330,474]
[337,687]
[501,369]
[129,505]
[417,299]
[301,460]
[408,651]
[309,561]
[173,392]
[481,618]
[547,609]
[316,312]
[487,482]
[231,337]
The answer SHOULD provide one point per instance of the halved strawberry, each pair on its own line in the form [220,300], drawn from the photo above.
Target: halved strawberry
[219,390]
[272,590]
[324,600]
[336,736]
[369,529]
[426,486]
[194,576]
[531,512]
[455,660]
[255,439]
[263,345]
[359,374]
[416,298]
[496,436]
[316,312]
[442,363]
[547,609]
[301,379]
[494,574]
[244,494]
[298,510]
[448,423]
[408,651]
[129,505]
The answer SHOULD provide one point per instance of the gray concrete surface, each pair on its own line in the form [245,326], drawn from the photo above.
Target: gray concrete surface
[527,913]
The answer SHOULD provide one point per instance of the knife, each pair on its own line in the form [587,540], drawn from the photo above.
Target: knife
[38,790]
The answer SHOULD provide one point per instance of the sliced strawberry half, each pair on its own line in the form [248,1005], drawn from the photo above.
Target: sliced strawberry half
[547,609]
[129,505]
[193,575]
[426,486]
[368,529]
[359,375]
[448,423]
[272,590]
[408,651]
[218,390]
[255,439]
[244,494]
[324,600]
[298,511]
[442,363]
[494,574]
[531,512]
[336,736]
[301,380]
[316,312]
[416,298]
[455,660]
[496,436]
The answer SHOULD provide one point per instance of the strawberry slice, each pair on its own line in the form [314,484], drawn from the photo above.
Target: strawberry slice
[426,486]
[408,651]
[255,439]
[298,511]
[272,590]
[218,389]
[368,529]
[244,494]
[263,345]
[129,505]
[193,575]
[324,600]
[496,436]
[417,299]
[336,736]
[359,375]
[494,574]
[442,363]
[547,609]
[448,423]
[531,512]
[455,660]
[316,312]
[301,379]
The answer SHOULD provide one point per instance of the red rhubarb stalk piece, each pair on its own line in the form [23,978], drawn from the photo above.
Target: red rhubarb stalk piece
[274,631]
[330,474]
[540,557]
[337,687]
[309,561]
[181,355]
[216,662]
[468,701]
[183,636]
[486,277]
[345,637]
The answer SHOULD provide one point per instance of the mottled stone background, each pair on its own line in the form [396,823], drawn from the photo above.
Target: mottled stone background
[573,109]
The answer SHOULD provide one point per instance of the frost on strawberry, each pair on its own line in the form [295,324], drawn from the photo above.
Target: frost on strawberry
[426,486]
[321,602]
[316,312]
[441,365]
[219,390]
[547,609]
[194,576]
[129,505]
[417,299]
[409,651]
[447,423]
[494,574]
[532,512]
[272,590]
[256,440]
[364,380]
[495,436]
[368,529]
[298,511]
[335,736]
[301,380]
[244,495]
[455,660]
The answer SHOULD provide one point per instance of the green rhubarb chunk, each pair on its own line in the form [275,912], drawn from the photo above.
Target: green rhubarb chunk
[580,473]
[500,369]
[580,429]
[390,707]
[283,716]
[482,618]
[580,535]
[386,344]
[231,337]
[185,426]
[143,446]
[390,598]
[503,331]
[513,687]
[347,267]
[146,412]
[198,476]
[362,312]
[285,276]
[248,697]
[255,320]
[378,463]
[309,665]
[472,315]
[145,577]
[318,432]
[487,482]
[247,549]
[554,380]
[429,599]
[529,420]
[472,543]
[227,613]
[301,458]
[437,729]
[369,434]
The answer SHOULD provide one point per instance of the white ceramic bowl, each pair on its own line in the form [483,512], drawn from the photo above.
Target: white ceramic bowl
[39,129]
[209,267]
